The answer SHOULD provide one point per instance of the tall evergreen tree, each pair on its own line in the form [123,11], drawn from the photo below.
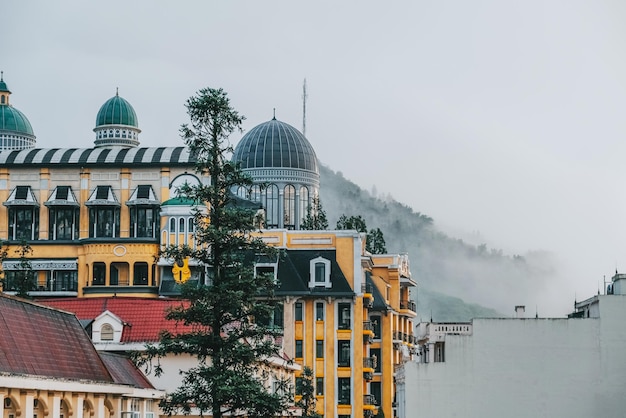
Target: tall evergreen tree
[306,389]
[227,343]
[315,217]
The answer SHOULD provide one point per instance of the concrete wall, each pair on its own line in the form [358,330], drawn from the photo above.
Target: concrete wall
[527,368]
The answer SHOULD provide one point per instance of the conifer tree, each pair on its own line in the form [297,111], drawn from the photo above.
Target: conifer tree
[315,217]
[228,345]
[306,389]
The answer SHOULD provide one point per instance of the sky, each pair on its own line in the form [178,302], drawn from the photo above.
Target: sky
[503,121]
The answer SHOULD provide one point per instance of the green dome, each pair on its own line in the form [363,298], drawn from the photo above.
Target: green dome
[13,120]
[116,111]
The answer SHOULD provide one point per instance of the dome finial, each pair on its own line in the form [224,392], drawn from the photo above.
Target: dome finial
[1,75]
[274,118]
[117,91]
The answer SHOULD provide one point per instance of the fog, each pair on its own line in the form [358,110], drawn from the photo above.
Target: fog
[503,122]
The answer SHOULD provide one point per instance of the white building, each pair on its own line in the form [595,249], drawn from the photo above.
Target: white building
[523,367]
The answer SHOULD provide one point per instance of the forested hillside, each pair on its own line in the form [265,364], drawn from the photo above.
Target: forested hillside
[456,280]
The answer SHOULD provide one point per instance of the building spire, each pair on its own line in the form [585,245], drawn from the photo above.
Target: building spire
[117,91]
[274,118]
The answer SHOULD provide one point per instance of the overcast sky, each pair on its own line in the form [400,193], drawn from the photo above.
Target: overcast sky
[501,120]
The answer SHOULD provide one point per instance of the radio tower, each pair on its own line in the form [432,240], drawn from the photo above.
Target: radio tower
[304,97]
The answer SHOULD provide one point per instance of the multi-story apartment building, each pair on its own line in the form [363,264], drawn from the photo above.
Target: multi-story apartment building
[96,218]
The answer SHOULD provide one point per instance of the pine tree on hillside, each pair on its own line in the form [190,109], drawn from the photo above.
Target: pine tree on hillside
[228,345]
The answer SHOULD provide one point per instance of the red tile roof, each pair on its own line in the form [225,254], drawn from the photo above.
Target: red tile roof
[39,340]
[144,319]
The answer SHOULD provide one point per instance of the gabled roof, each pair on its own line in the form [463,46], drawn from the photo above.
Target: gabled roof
[294,269]
[39,340]
[143,319]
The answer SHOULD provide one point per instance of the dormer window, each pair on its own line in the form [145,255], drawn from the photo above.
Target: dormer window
[319,275]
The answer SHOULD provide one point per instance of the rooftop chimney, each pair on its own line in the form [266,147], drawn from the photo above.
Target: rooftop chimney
[519,311]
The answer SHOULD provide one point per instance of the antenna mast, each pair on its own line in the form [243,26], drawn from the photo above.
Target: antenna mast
[304,97]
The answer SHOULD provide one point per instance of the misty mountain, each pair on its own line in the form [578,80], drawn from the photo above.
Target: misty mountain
[456,280]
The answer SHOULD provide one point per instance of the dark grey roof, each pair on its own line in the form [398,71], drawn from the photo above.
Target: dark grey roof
[275,144]
[293,274]
[85,157]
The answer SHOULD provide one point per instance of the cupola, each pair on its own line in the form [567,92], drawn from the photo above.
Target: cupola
[116,124]
[16,133]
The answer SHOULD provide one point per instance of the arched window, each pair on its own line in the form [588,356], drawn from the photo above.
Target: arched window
[289,199]
[304,203]
[271,206]
[106,333]
[172,225]
[255,193]
[242,192]
[181,222]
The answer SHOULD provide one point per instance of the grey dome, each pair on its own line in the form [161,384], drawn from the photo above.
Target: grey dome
[275,144]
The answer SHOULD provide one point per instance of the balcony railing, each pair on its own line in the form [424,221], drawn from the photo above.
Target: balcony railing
[369,400]
[408,305]
[370,362]
[368,326]
[367,288]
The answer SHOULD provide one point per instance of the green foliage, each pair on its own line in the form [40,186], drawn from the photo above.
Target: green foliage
[315,217]
[352,222]
[375,243]
[307,389]
[228,345]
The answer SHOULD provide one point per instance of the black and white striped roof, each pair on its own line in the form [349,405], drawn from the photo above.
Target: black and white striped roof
[85,157]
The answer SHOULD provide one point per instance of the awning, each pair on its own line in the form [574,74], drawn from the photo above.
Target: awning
[62,196]
[21,196]
[143,195]
[102,196]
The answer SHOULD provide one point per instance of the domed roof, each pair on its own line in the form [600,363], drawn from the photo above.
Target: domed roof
[13,120]
[116,111]
[275,144]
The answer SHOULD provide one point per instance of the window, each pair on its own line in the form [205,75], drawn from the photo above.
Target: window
[376,392]
[106,332]
[319,349]
[99,274]
[143,221]
[173,225]
[140,274]
[319,386]
[375,353]
[344,354]
[23,214]
[343,386]
[23,223]
[319,311]
[266,270]
[104,213]
[299,349]
[255,193]
[319,273]
[60,280]
[271,206]
[119,274]
[299,383]
[375,320]
[298,311]
[344,316]
[304,203]
[63,214]
[289,200]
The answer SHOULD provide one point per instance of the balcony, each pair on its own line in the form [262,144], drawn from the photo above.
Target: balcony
[370,363]
[408,305]
[369,402]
